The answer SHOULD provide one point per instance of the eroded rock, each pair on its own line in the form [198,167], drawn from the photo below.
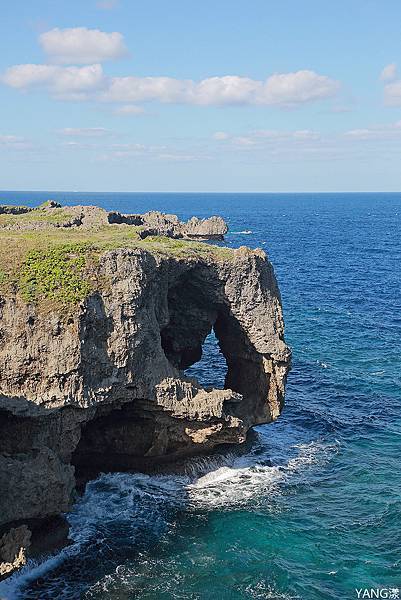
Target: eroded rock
[102,386]
[51,215]
[13,549]
[157,223]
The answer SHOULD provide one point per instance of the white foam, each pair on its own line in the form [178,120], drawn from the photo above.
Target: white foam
[239,484]
[141,500]
[12,588]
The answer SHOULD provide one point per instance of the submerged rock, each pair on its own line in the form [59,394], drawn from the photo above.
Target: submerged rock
[95,382]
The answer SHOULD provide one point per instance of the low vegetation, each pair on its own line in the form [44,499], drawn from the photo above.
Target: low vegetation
[37,216]
[58,266]
[55,274]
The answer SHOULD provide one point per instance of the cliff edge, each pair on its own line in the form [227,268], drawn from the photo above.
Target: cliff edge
[98,323]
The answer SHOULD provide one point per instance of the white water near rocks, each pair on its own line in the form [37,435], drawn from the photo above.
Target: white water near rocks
[145,506]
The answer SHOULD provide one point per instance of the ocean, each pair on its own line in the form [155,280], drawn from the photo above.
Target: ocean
[310,507]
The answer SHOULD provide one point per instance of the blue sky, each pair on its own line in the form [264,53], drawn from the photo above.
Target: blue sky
[123,95]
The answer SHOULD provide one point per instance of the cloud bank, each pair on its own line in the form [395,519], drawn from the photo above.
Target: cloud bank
[63,78]
[286,89]
[84,131]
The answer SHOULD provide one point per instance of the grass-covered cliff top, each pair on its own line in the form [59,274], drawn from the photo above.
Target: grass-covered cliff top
[50,255]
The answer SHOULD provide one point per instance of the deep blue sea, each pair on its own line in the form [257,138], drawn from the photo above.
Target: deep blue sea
[310,507]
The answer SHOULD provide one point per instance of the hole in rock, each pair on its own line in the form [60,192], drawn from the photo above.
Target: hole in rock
[211,369]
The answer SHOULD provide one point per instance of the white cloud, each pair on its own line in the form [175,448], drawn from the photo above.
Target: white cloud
[288,89]
[220,135]
[271,135]
[73,83]
[90,47]
[243,140]
[390,131]
[229,89]
[9,140]
[80,45]
[133,151]
[269,139]
[389,73]
[14,142]
[84,131]
[306,134]
[171,157]
[392,89]
[361,134]
[84,46]
[295,88]
[392,93]
[140,89]
[130,109]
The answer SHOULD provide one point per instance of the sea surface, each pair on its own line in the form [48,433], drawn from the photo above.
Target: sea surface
[310,506]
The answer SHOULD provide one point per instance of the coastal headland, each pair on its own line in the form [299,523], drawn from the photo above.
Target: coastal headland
[100,315]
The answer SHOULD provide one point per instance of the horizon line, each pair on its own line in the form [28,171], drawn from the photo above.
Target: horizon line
[36,191]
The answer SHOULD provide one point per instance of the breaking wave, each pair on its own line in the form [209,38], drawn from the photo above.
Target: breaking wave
[123,514]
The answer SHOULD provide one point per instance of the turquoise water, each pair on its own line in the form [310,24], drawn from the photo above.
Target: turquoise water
[310,507]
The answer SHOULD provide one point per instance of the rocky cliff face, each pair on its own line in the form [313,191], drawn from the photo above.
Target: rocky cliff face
[100,385]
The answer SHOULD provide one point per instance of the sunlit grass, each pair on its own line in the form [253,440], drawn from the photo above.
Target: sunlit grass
[54,216]
[59,265]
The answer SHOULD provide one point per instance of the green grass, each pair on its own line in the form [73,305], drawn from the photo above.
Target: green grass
[56,274]
[53,216]
[3,278]
[58,267]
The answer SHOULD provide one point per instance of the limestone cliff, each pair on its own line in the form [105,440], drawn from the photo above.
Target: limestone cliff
[97,327]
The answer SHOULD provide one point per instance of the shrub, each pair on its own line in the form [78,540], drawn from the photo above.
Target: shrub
[56,274]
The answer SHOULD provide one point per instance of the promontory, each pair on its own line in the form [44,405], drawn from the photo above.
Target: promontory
[100,316]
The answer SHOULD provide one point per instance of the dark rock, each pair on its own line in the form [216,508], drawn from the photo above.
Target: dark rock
[8,209]
[14,545]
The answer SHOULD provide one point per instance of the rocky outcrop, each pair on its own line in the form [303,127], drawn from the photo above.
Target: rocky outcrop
[6,209]
[213,228]
[51,215]
[9,209]
[13,549]
[157,223]
[102,386]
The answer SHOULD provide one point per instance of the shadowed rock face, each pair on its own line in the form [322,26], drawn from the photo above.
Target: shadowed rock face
[103,387]
[13,547]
